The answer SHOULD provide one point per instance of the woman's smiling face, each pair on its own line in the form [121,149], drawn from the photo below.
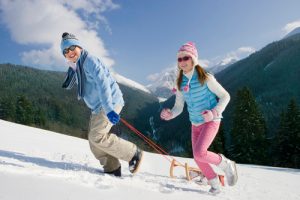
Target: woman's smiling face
[185,63]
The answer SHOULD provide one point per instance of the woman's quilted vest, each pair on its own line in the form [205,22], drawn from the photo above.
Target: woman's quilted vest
[198,98]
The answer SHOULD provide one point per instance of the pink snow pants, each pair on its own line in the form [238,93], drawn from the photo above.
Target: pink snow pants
[202,137]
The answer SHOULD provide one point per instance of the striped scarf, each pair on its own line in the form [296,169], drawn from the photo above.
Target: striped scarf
[79,74]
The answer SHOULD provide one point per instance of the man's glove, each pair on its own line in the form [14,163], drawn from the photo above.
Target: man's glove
[113,117]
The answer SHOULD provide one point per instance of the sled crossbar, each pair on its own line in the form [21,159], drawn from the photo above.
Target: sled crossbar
[189,169]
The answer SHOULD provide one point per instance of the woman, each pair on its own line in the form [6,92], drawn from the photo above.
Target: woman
[206,99]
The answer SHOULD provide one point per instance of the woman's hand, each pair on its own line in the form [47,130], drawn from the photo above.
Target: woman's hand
[166,114]
[209,115]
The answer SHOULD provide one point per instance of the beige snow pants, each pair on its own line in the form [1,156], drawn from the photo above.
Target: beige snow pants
[107,147]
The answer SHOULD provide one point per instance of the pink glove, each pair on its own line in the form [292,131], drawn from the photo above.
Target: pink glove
[166,114]
[174,90]
[209,115]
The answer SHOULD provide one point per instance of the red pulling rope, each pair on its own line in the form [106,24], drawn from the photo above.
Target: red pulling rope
[150,142]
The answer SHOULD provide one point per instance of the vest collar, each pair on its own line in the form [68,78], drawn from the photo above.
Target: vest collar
[189,76]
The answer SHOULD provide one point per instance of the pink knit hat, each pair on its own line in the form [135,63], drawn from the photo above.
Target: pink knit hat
[189,48]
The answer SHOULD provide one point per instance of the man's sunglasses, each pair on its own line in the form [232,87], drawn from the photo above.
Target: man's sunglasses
[71,48]
[185,58]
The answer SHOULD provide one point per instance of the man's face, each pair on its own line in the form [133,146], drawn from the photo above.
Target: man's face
[72,53]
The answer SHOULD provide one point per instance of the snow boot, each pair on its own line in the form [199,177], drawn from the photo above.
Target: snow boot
[135,162]
[215,185]
[229,168]
[200,179]
[116,172]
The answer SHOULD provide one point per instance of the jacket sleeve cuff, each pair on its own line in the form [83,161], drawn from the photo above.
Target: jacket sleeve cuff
[215,113]
[108,109]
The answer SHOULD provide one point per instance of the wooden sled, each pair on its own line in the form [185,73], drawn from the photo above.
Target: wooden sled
[188,171]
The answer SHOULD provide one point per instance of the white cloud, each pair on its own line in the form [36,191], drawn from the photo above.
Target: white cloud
[153,77]
[204,63]
[237,54]
[246,50]
[291,26]
[41,23]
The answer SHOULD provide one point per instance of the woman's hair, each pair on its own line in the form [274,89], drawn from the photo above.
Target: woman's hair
[202,76]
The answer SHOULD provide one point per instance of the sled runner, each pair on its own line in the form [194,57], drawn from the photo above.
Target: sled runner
[190,172]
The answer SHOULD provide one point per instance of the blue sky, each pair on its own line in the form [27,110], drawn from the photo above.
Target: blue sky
[140,38]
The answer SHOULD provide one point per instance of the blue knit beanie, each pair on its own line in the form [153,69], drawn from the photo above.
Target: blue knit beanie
[67,40]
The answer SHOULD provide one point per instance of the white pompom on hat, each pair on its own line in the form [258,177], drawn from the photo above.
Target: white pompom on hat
[67,40]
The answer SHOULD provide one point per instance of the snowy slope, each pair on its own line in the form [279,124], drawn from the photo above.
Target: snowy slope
[163,82]
[221,65]
[39,164]
[130,83]
[293,32]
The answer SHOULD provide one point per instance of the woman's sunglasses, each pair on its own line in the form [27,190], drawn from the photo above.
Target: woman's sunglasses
[71,48]
[185,58]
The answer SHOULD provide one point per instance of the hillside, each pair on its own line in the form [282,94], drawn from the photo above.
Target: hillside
[272,74]
[62,112]
[59,108]
[64,168]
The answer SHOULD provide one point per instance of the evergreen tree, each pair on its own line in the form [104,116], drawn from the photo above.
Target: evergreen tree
[24,113]
[2,111]
[39,118]
[248,131]
[287,141]
[7,109]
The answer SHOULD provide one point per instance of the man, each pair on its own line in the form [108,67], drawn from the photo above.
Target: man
[103,96]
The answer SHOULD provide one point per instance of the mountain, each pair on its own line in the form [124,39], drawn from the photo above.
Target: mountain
[38,164]
[272,74]
[221,66]
[163,84]
[293,32]
[59,108]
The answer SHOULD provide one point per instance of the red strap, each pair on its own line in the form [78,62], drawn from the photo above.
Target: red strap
[150,142]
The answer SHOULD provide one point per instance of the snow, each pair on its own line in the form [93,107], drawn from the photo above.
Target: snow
[165,79]
[39,164]
[161,99]
[130,83]
[293,32]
